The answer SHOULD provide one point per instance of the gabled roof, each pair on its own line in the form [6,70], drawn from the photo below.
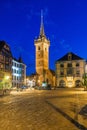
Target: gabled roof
[73,57]
[2,43]
[18,60]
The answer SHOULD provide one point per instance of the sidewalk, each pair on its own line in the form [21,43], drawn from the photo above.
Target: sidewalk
[71,107]
[15,91]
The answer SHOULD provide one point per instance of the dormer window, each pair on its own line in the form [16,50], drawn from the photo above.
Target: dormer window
[69,56]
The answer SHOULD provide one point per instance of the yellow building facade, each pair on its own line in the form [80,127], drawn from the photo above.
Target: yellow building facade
[69,71]
[5,66]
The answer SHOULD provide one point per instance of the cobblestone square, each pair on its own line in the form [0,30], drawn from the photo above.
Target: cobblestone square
[40,110]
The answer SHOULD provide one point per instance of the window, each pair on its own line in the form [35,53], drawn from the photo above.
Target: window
[69,57]
[61,65]
[1,66]
[69,71]
[1,58]
[77,64]
[61,73]
[12,70]
[69,65]
[62,83]
[17,77]
[15,64]
[14,77]
[77,73]
[12,63]
[7,67]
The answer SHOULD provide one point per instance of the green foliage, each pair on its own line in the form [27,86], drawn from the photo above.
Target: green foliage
[1,85]
[85,80]
[5,84]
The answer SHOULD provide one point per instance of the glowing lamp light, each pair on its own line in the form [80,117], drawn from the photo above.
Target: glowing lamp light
[70,81]
[38,81]
[7,77]
[70,84]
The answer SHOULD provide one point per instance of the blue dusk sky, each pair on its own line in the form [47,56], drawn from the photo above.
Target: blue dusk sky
[65,23]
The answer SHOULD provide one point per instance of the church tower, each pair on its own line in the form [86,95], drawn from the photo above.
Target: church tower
[42,51]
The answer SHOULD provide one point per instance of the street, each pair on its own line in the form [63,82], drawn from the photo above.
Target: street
[43,110]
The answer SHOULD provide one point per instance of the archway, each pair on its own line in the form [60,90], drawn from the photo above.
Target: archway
[62,83]
[78,83]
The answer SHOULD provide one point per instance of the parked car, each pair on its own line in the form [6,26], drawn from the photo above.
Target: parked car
[23,87]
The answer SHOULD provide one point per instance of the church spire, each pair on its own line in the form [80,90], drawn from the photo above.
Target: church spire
[42,25]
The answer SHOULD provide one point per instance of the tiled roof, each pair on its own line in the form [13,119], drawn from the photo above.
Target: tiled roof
[2,43]
[73,57]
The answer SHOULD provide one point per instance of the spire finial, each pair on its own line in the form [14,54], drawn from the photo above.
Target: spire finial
[42,25]
[41,17]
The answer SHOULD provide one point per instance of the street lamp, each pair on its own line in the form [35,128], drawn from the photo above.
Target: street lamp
[7,77]
[7,82]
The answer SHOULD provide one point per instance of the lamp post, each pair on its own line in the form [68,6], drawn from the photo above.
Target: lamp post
[7,77]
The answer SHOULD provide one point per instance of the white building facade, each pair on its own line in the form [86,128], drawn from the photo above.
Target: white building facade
[18,73]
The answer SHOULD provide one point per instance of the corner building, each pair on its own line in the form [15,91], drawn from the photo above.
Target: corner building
[69,70]
[18,73]
[5,66]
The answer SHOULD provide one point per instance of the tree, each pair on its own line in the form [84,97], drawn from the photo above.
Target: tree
[85,81]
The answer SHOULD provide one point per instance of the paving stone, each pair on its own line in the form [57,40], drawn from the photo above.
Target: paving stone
[30,111]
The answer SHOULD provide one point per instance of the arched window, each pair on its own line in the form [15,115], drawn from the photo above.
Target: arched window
[62,83]
[77,83]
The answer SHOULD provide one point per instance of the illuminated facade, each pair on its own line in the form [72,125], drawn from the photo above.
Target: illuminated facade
[86,68]
[69,70]
[5,65]
[42,57]
[18,73]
